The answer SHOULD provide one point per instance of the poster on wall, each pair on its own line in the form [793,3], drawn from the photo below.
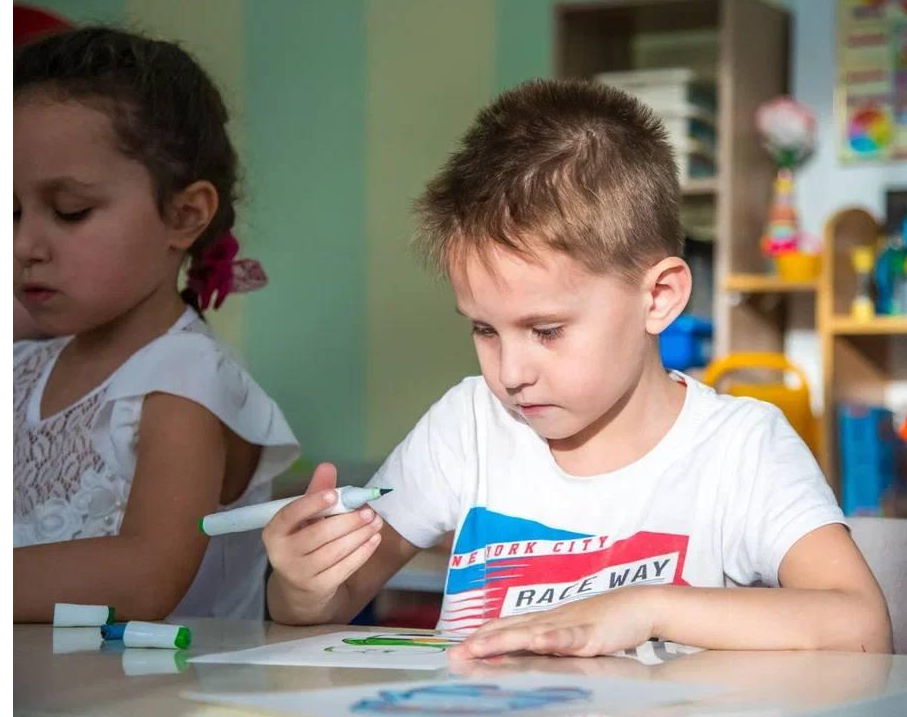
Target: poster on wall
[871,88]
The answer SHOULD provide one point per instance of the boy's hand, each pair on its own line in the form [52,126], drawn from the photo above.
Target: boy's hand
[598,625]
[312,557]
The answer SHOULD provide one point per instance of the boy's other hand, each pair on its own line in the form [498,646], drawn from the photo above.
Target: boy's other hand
[599,625]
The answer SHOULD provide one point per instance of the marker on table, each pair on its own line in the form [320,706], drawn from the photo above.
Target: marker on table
[71,615]
[136,633]
[251,517]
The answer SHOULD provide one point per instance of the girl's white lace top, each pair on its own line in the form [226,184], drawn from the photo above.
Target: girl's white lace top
[73,470]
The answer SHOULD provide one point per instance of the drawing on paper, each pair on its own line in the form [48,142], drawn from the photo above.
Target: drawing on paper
[472,699]
[385,644]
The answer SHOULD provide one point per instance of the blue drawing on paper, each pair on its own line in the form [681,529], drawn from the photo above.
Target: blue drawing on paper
[467,699]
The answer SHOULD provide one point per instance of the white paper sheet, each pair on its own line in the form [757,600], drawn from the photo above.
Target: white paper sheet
[390,649]
[393,649]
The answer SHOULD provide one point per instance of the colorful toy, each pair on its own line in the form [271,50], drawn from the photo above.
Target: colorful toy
[788,131]
[862,258]
[782,230]
[890,269]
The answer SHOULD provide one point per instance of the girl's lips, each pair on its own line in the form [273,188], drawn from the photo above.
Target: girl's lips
[37,294]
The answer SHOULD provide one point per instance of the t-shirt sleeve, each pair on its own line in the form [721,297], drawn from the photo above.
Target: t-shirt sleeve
[779,496]
[427,470]
[193,366]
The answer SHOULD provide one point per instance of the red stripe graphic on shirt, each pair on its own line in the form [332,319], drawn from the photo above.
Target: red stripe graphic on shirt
[534,575]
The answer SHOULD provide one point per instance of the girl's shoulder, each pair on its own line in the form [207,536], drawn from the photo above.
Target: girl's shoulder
[194,365]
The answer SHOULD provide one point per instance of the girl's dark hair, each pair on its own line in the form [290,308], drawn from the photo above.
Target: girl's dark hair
[165,110]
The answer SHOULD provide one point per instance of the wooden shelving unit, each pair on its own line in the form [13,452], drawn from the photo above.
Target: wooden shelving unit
[859,358]
[699,187]
[766,284]
[879,326]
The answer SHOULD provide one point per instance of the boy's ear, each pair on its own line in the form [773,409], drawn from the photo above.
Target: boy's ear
[191,211]
[667,286]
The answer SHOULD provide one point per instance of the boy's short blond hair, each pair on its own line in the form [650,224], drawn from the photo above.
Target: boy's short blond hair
[580,168]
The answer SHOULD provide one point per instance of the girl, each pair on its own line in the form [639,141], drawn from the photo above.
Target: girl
[137,422]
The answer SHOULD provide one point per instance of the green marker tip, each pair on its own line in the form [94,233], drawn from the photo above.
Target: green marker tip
[183,638]
[384,491]
[201,526]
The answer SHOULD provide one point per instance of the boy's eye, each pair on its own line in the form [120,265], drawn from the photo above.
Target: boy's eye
[76,216]
[482,331]
[548,333]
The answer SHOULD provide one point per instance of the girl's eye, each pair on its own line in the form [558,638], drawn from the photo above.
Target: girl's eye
[73,216]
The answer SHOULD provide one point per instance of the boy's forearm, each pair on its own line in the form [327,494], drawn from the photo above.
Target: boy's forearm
[769,618]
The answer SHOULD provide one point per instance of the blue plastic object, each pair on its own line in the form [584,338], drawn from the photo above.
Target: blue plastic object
[868,457]
[686,343]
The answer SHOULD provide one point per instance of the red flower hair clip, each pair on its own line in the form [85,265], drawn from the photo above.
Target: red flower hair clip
[216,273]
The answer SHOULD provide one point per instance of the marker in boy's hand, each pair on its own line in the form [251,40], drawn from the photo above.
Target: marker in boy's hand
[258,515]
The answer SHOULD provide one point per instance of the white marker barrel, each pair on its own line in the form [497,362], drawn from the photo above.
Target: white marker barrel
[253,517]
[71,615]
[153,634]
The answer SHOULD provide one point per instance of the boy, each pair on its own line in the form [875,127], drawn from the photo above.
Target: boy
[597,500]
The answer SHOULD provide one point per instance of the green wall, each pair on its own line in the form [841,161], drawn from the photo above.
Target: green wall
[524,41]
[431,66]
[305,335]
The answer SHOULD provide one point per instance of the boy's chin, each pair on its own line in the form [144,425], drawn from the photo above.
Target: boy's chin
[551,431]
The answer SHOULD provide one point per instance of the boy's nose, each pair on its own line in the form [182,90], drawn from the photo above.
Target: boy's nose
[515,369]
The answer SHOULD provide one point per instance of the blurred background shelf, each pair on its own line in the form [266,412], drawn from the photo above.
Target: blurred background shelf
[879,325]
[766,283]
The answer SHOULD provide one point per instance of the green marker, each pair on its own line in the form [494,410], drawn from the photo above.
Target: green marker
[136,633]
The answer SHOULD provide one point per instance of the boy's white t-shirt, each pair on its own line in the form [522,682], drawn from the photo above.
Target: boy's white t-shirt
[72,471]
[718,502]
